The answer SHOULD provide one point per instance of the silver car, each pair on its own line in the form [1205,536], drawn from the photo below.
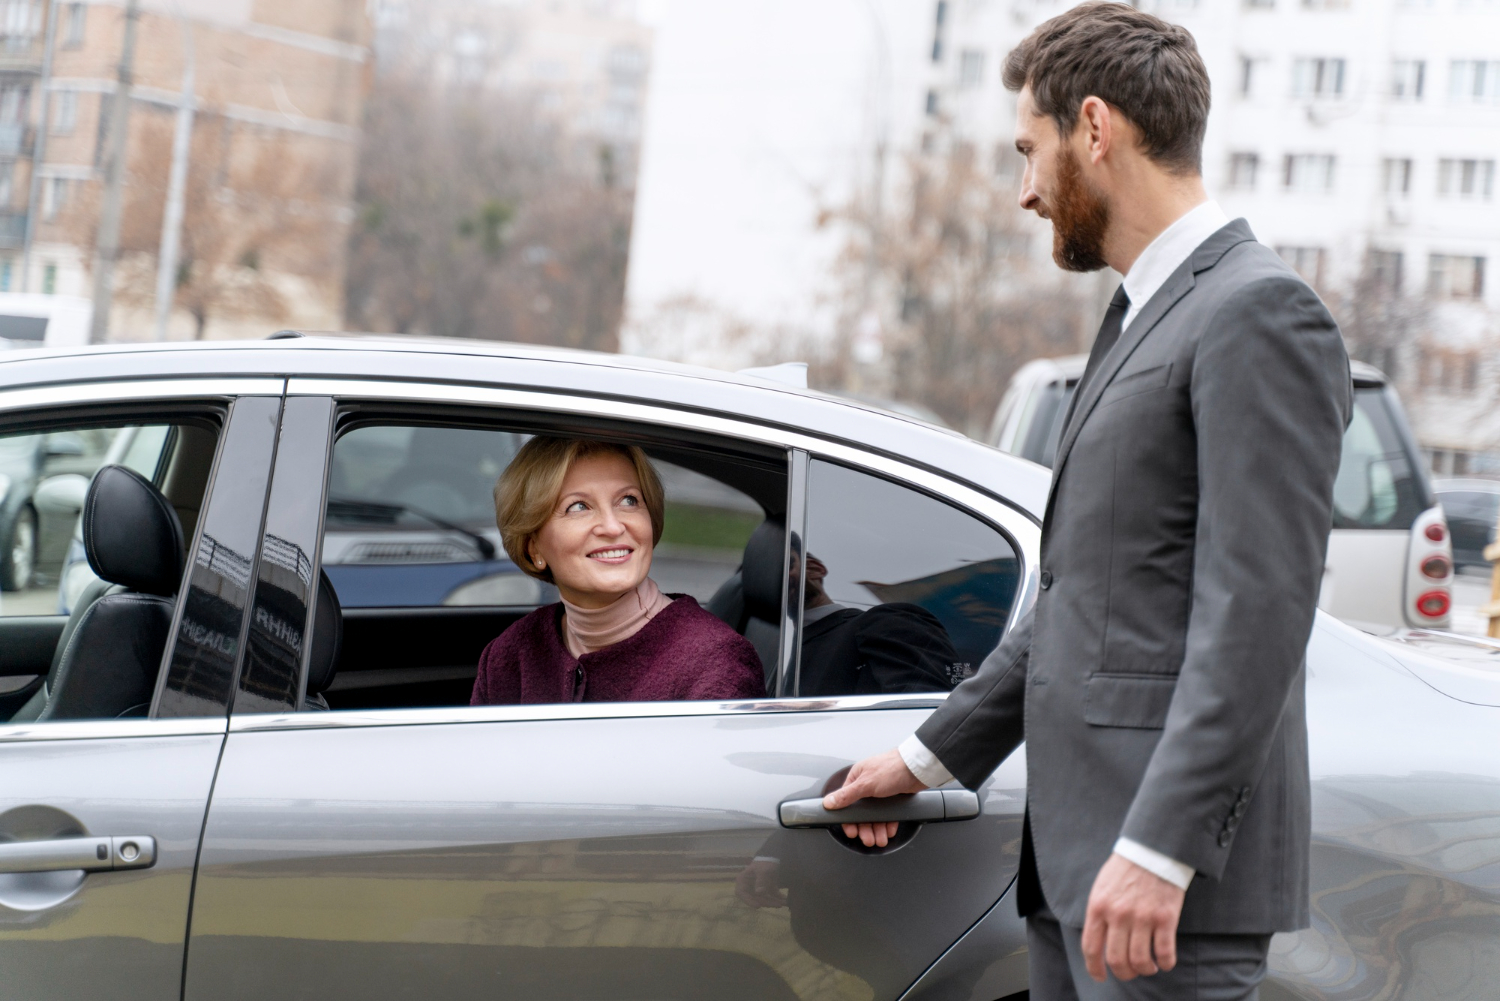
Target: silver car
[283,792]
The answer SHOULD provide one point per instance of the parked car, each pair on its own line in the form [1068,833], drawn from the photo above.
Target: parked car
[1472,508]
[181,819]
[1390,561]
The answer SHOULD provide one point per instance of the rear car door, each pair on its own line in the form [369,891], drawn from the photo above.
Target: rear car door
[403,843]
[100,817]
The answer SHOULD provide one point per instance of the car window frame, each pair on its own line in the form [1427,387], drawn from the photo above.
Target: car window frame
[124,402]
[422,400]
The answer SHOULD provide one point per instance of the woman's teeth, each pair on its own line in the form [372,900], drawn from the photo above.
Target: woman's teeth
[610,554]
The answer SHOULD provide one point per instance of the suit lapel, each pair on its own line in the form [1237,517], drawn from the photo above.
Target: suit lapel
[1182,281]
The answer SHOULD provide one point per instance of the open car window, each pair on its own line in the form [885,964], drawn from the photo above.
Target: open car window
[411,548]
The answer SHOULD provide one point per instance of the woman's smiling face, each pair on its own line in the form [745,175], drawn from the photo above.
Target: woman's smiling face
[598,541]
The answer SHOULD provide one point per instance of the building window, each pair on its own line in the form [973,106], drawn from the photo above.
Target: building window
[932,102]
[1306,261]
[7,269]
[1407,79]
[1454,276]
[1474,80]
[7,179]
[1384,268]
[64,112]
[1474,179]
[1395,176]
[1260,4]
[49,279]
[1318,78]
[971,68]
[54,196]
[1309,173]
[1325,4]
[1242,168]
[73,32]
[1250,71]
[19,23]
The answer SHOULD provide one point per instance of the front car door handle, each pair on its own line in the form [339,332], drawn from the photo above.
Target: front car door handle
[88,854]
[928,806]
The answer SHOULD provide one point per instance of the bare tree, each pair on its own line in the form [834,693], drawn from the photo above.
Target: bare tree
[477,217]
[950,276]
[258,221]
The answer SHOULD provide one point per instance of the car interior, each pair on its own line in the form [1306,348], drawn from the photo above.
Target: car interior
[101,660]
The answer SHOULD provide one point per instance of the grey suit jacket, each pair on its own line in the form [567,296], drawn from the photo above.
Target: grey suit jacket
[1158,681]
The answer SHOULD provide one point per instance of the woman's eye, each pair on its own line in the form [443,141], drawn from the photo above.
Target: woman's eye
[575,507]
[629,501]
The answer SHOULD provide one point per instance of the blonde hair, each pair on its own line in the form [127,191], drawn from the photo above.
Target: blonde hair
[526,493]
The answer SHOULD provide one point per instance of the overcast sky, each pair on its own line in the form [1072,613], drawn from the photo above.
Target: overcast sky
[758,113]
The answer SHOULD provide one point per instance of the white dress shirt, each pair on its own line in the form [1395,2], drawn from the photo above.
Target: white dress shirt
[1148,274]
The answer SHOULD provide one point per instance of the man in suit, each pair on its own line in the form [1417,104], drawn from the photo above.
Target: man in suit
[1158,679]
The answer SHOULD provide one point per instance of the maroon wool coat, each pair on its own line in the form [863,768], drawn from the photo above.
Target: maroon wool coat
[684,653]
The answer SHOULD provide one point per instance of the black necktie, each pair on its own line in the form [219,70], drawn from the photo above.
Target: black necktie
[1109,332]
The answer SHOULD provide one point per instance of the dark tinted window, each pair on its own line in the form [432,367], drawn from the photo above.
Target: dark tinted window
[1378,485]
[902,592]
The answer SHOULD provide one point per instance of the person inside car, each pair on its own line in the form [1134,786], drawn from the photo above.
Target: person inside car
[585,516]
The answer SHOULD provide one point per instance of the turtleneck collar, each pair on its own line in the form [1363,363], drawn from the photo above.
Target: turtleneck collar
[588,629]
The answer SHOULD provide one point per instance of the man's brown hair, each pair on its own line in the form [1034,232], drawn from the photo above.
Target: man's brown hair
[1146,68]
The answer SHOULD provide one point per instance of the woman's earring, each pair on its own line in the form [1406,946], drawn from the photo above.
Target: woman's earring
[541,564]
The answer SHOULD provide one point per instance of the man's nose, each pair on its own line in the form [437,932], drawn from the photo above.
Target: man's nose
[1029,200]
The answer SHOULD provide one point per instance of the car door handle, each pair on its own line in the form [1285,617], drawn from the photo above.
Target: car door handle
[929,806]
[89,854]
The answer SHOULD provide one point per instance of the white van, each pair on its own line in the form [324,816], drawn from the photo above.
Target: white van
[1390,560]
[34,320]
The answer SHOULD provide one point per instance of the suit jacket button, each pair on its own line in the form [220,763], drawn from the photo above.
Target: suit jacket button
[1223,839]
[1046,579]
[1239,808]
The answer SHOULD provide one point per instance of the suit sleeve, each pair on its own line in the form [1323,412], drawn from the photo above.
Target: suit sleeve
[983,720]
[1271,397]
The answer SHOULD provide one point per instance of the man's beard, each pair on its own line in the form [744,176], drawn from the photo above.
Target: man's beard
[1080,218]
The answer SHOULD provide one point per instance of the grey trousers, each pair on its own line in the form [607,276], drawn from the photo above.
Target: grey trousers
[1209,968]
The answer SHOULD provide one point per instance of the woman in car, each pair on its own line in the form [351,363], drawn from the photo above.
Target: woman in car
[585,515]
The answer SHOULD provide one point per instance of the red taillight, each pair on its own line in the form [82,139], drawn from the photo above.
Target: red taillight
[1436,567]
[1434,604]
[1436,532]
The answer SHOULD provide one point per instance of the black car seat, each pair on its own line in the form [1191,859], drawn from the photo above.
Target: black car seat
[110,651]
[327,637]
[750,601]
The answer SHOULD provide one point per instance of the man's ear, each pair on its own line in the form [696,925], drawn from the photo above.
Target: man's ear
[1096,128]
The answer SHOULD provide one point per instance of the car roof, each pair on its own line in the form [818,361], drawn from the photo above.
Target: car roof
[762,400]
[1069,368]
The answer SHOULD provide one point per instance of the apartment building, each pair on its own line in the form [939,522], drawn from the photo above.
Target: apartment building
[1358,137]
[277,94]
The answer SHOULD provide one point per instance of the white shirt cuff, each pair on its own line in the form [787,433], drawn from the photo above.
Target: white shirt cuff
[923,763]
[1154,862]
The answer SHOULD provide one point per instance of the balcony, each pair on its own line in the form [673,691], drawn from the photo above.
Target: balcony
[12,230]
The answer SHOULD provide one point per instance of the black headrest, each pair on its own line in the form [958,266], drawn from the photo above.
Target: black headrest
[131,535]
[328,634]
[763,572]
